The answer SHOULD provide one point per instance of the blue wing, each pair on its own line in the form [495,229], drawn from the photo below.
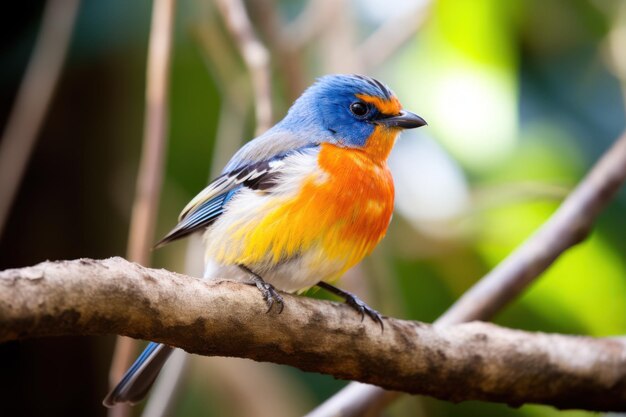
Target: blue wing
[202,216]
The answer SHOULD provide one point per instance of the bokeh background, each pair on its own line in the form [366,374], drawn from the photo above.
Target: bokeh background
[521,97]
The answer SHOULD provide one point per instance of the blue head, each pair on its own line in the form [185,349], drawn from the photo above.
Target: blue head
[346,110]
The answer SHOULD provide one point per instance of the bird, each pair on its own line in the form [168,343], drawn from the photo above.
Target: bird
[297,206]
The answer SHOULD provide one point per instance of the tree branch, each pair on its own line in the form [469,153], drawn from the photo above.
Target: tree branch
[474,361]
[569,225]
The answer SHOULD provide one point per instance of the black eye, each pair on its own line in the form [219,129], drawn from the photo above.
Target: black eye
[358,108]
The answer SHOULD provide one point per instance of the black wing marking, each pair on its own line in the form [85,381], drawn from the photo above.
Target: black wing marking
[258,176]
[207,206]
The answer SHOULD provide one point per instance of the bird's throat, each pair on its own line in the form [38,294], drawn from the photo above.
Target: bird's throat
[380,143]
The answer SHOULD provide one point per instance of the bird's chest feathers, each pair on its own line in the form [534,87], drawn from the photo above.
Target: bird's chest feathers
[356,199]
[340,212]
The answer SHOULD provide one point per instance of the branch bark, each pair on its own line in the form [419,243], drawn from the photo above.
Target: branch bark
[473,361]
[569,225]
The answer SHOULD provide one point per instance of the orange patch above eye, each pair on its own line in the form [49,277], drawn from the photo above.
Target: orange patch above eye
[389,107]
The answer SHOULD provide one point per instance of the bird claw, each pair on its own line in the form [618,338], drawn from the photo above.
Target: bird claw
[270,295]
[363,309]
[354,302]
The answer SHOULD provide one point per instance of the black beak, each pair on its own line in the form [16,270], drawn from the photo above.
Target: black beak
[405,120]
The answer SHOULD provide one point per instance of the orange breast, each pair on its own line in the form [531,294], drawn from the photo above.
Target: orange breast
[340,214]
[358,197]
[341,217]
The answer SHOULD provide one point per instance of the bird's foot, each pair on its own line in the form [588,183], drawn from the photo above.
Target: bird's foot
[363,309]
[355,302]
[270,295]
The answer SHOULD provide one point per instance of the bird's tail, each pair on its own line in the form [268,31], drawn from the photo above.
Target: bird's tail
[136,382]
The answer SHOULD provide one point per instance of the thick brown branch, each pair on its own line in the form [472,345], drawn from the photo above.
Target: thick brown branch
[568,226]
[461,362]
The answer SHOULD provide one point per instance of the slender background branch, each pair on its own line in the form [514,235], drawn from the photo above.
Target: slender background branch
[569,225]
[150,177]
[392,35]
[476,361]
[255,55]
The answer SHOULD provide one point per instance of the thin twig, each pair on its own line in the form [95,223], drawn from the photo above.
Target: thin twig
[309,24]
[477,361]
[288,60]
[150,176]
[569,225]
[616,42]
[230,81]
[392,35]
[255,56]
[34,98]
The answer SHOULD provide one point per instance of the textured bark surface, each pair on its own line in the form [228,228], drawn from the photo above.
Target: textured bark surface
[473,361]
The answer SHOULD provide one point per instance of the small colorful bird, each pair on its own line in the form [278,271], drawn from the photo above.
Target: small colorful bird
[297,206]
